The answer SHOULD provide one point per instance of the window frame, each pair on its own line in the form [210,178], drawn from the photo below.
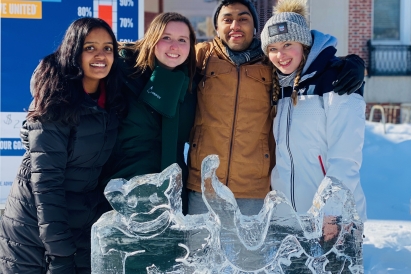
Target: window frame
[405,26]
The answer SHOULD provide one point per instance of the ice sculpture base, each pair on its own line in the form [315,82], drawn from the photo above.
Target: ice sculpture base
[147,232]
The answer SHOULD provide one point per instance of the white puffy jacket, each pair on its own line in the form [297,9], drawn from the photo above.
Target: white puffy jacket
[323,125]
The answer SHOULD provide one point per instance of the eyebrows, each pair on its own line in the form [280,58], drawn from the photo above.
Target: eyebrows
[94,42]
[171,34]
[281,44]
[239,14]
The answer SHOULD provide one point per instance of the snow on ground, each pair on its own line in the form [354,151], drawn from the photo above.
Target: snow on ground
[386,180]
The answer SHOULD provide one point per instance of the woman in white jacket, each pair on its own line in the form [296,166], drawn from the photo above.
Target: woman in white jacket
[317,132]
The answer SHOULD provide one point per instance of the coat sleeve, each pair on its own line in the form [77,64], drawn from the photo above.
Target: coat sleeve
[345,128]
[48,144]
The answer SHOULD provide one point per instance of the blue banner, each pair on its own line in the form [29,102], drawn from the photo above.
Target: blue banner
[11,147]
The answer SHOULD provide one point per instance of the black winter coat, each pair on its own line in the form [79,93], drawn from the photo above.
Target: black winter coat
[55,197]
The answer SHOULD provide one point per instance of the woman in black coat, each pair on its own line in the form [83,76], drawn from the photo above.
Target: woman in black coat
[72,127]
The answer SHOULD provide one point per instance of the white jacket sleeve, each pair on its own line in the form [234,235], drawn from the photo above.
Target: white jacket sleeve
[345,128]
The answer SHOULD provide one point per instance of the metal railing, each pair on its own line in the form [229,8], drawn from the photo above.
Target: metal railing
[380,108]
[393,114]
[389,60]
[406,113]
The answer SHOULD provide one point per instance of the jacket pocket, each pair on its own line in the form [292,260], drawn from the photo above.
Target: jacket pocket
[217,68]
[260,82]
[216,72]
[261,75]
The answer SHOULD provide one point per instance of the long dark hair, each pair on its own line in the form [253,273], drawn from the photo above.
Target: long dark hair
[144,48]
[57,81]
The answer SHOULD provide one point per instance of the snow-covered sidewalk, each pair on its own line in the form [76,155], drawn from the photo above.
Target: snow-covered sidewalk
[387,247]
[386,180]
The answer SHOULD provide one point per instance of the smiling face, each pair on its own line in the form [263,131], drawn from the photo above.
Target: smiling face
[235,26]
[97,58]
[174,45]
[286,56]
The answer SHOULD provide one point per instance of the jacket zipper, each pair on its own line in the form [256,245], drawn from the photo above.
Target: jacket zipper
[287,138]
[106,116]
[292,183]
[233,127]
[281,110]
[105,121]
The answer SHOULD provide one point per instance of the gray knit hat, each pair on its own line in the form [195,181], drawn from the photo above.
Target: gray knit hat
[285,26]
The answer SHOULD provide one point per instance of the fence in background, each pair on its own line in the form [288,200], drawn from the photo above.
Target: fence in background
[389,60]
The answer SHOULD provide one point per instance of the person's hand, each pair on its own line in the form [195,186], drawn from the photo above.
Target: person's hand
[61,265]
[24,136]
[331,229]
[351,76]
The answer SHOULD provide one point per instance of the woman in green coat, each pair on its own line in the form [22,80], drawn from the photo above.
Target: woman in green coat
[157,74]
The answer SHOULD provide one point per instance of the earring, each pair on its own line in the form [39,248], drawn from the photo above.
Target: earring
[255,31]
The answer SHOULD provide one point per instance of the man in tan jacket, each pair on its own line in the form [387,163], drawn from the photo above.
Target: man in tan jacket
[233,111]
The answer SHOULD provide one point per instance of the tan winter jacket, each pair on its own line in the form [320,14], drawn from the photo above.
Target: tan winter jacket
[233,121]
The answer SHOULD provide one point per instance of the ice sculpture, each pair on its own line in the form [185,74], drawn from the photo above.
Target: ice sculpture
[147,232]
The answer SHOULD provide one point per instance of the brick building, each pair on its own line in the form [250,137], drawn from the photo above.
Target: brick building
[380,32]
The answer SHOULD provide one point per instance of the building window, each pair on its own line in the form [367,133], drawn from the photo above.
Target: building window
[386,20]
[390,48]
[391,22]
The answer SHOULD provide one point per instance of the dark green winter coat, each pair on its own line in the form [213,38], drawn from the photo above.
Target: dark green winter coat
[140,143]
